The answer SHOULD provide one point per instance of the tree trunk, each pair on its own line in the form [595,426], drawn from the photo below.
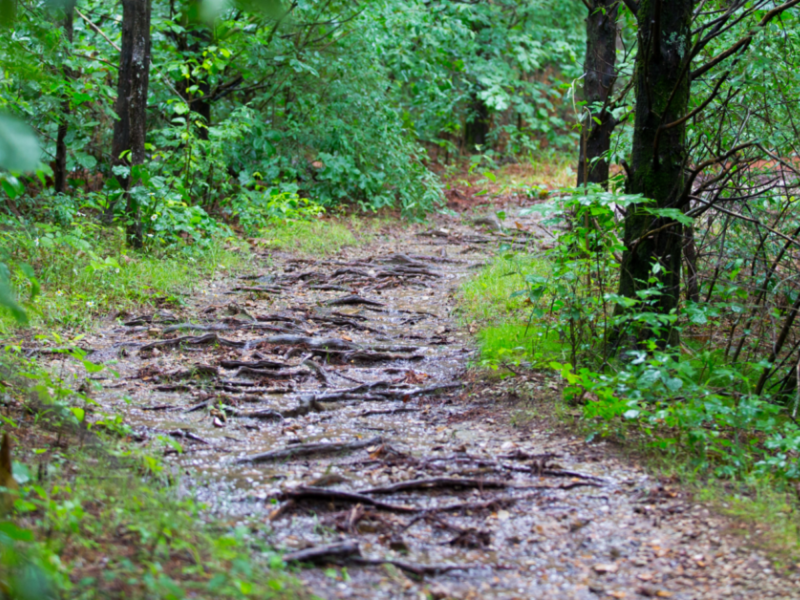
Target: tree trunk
[659,156]
[130,129]
[60,171]
[690,252]
[600,73]
[476,131]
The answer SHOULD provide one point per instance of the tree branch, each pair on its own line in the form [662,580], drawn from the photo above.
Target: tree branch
[699,108]
[741,44]
[776,11]
[97,29]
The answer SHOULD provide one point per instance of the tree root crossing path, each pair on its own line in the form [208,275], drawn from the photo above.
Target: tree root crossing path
[328,406]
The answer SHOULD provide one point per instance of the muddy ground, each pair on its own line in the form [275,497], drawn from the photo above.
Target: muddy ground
[331,403]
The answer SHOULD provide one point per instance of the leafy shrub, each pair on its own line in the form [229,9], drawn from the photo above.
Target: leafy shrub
[687,400]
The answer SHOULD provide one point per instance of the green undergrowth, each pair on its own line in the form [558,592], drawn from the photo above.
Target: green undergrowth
[764,513]
[516,344]
[686,407]
[320,237]
[488,298]
[96,517]
[71,276]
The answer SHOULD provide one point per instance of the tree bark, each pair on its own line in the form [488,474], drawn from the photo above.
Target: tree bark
[600,73]
[130,130]
[690,252]
[60,170]
[659,157]
[476,130]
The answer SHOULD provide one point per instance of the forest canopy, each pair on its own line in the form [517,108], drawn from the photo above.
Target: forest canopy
[338,102]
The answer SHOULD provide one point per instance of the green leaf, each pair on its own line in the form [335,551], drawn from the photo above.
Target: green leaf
[11,531]
[8,11]
[9,301]
[79,413]
[19,149]
[29,273]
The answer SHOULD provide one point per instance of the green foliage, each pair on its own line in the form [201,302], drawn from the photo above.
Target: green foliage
[325,96]
[19,150]
[156,542]
[274,205]
[490,297]
[687,401]
[84,270]
[318,237]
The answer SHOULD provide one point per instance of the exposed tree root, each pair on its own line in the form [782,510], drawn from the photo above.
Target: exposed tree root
[308,450]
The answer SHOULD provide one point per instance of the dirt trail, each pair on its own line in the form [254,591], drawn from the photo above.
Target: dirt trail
[324,403]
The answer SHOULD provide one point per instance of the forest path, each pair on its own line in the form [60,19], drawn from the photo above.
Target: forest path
[326,404]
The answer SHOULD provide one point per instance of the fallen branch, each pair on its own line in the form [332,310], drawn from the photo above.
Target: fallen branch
[353,300]
[261,288]
[350,552]
[258,364]
[319,493]
[305,406]
[209,338]
[289,373]
[308,450]
[391,411]
[441,482]
[324,553]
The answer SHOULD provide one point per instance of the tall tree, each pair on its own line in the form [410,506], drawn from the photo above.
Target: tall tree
[599,71]
[60,171]
[659,155]
[130,129]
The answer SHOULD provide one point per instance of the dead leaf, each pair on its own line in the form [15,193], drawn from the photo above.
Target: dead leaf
[415,378]
[6,477]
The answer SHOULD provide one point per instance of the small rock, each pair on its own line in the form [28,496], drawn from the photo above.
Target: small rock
[606,568]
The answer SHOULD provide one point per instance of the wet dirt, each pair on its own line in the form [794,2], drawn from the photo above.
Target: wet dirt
[327,404]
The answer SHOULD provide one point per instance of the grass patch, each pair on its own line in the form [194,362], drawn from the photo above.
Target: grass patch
[487,303]
[553,171]
[94,517]
[486,299]
[514,344]
[86,271]
[320,237]
[768,511]
[106,525]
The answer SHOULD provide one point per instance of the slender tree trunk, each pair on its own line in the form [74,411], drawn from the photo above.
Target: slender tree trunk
[659,155]
[60,171]
[600,73]
[690,252]
[130,129]
[476,130]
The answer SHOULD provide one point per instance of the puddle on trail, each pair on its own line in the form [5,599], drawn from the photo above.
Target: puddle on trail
[364,348]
